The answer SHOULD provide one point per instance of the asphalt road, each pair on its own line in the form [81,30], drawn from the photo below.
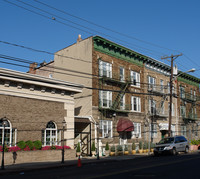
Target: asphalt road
[180,166]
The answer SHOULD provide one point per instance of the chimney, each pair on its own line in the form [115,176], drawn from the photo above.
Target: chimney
[79,38]
[32,68]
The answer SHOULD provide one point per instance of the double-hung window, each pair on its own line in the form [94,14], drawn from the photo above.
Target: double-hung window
[137,130]
[151,82]
[135,78]
[136,104]
[161,86]
[105,99]
[182,92]
[153,130]
[105,69]
[105,129]
[152,106]
[121,73]
[122,102]
[183,111]
[183,130]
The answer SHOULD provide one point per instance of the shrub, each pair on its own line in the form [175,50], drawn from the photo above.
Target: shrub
[107,146]
[27,148]
[21,144]
[5,148]
[29,143]
[93,147]
[133,146]
[78,149]
[140,145]
[194,142]
[67,147]
[112,149]
[119,148]
[37,144]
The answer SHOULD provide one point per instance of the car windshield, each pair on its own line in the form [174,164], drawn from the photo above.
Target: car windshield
[167,140]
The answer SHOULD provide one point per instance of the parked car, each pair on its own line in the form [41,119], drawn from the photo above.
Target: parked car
[171,145]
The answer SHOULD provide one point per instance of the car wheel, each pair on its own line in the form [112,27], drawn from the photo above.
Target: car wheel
[186,149]
[174,151]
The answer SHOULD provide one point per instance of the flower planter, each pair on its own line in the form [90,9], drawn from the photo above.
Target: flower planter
[140,151]
[107,153]
[93,153]
[120,153]
[112,153]
[152,150]
[133,152]
[145,151]
[126,152]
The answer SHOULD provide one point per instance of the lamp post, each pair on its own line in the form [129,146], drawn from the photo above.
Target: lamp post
[170,104]
[3,137]
[63,150]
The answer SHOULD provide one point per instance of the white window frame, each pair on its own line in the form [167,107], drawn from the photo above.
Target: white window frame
[106,132]
[53,138]
[161,85]
[7,128]
[122,102]
[135,78]
[184,130]
[151,82]
[182,92]
[121,73]
[153,130]
[182,111]
[152,104]
[105,69]
[137,130]
[136,101]
[173,130]
[105,98]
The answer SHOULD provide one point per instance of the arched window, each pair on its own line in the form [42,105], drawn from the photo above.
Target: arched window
[50,134]
[6,132]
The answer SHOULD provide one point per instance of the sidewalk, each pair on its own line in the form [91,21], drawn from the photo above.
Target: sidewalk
[24,167]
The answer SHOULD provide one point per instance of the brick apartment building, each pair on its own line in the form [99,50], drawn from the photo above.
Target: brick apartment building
[126,94]
[34,108]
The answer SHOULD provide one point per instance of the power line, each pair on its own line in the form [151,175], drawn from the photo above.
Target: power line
[77,27]
[119,33]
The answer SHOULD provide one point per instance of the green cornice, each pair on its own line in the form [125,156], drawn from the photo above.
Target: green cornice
[188,81]
[117,51]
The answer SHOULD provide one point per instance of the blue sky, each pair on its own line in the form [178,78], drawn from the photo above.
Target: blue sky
[173,25]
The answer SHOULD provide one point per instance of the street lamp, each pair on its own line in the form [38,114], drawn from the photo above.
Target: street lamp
[63,150]
[170,103]
[3,120]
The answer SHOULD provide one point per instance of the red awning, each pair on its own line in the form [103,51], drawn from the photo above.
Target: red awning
[124,125]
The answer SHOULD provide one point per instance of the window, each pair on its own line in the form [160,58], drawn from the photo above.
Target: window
[105,129]
[195,95]
[136,104]
[122,101]
[183,130]
[7,133]
[50,134]
[121,73]
[135,78]
[137,130]
[153,130]
[196,131]
[152,82]
[173,109]
[183,112]
[182,92]
[152,106]
[161,86]
[105,98]
[173,130]
[105,69]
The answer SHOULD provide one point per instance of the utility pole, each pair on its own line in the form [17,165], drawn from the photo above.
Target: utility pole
[172,57]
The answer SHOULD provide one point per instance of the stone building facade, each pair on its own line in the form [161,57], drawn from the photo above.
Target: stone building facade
[35,107]
[126,94]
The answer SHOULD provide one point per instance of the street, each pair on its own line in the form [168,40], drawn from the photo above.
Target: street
[180,166]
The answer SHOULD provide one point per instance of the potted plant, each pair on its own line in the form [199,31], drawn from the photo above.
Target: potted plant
[133,148]
[126,152]
[194,145]
[140,147]
[93,149]
[119,150]
[107,149]
[145,147]
[78,149]
[112,150]
[152,146]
